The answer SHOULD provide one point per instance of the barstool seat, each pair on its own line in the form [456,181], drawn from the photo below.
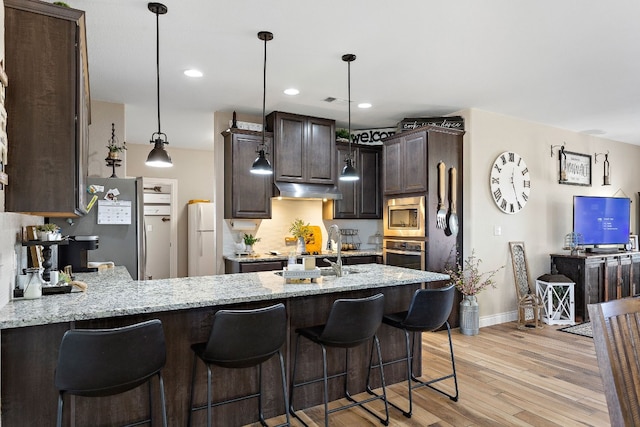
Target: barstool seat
[242,339]
[351,322]
[428,311]
[105,362]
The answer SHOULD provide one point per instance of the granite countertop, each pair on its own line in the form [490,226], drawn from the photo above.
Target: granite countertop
[113,293]
[283,256]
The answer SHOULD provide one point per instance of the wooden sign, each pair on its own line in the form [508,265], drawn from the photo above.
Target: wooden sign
[453,122]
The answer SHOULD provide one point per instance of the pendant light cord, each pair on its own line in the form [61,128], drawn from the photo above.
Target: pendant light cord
[349,102]
[264,91]
[158,66]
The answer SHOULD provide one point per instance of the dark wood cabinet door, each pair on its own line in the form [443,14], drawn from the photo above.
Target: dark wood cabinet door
[290,132]
[48,109]
[369,192]
[415,163]
[304,148]
[361,199]
[320,151]
[250,267]
[392,167]
[246,195]
[346,207]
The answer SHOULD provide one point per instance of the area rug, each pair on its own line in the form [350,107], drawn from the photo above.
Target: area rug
[583,329]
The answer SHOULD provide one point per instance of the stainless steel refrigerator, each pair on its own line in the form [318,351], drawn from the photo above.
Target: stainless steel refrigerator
[121,240]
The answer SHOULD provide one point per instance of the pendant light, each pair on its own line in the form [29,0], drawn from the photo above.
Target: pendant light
[158,157]
[349,173]
[261,165]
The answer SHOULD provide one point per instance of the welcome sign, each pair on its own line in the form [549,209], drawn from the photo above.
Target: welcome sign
[371,136]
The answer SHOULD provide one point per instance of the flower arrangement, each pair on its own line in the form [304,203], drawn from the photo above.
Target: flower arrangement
[300,229]
[468,279]
[249,239]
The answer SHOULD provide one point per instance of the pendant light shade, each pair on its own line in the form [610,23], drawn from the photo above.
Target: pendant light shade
[158,157]
[349,172]
[261,165]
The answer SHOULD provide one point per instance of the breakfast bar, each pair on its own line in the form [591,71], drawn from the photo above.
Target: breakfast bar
[31,331]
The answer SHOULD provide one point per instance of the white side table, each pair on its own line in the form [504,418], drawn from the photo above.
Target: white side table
[557,295]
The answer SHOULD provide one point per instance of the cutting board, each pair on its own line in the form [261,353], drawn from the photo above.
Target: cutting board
[314,241]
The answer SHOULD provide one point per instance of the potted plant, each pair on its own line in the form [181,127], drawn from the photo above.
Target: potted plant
[342,135]
[115,149]
[301,231]
[47,231]
[249,241]
[470,282]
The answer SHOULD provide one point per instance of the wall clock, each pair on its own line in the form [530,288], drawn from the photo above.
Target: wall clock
[510,182]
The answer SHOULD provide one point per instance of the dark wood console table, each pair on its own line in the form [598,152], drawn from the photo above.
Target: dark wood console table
[599,276]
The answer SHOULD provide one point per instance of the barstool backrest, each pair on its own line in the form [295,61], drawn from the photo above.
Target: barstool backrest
[353,321]
[429,309]
[103,362]
[243,338]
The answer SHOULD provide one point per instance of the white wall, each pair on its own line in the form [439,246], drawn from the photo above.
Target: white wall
[547,217]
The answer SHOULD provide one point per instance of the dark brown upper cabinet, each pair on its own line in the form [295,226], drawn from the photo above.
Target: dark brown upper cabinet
[361,199]
[303,149]
[405,160]
[48,106]
[246,195]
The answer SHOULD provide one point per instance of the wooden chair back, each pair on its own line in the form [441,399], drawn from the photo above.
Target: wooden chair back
[616,334]
[529,304]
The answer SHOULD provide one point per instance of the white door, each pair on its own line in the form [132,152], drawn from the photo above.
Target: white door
[161,227]
[158,229]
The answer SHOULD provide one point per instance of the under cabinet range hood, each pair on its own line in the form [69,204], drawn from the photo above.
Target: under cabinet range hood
[306,191]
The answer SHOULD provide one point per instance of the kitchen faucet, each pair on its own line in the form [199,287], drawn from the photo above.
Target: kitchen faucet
[336,266]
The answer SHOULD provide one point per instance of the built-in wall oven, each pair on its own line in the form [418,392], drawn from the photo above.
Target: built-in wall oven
[404,253]
[404,217]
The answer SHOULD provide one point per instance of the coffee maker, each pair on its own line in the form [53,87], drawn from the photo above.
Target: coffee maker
[75,253]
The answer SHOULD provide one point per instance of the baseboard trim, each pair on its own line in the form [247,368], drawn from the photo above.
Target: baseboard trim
[496,319]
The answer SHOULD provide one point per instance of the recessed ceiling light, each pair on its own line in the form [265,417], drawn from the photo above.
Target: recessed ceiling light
[291,91]
[364,105]
[193,73]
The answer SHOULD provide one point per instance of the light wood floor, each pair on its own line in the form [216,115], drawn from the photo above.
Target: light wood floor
[506,377]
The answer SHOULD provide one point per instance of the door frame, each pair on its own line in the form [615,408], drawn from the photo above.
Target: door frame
[173,230]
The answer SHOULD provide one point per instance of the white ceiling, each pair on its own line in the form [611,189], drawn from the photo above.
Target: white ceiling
[572,64]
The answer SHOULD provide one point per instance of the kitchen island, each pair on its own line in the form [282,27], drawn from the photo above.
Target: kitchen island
[31,331]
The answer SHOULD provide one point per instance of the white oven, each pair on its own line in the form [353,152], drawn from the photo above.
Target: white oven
[404,217]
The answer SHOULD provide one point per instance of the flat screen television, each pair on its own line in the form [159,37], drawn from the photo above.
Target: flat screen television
[602,221]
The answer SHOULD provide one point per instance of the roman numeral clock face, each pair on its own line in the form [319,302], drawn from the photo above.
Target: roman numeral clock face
[510,182]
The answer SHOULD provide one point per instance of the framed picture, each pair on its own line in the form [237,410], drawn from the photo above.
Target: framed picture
[575,168]
[633,241]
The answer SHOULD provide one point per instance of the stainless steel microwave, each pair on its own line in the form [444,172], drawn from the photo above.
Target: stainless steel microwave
[404,217]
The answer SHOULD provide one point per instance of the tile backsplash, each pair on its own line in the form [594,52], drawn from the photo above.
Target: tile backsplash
[272,232]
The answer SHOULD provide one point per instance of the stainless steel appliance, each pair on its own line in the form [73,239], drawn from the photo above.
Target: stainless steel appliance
[404,217]
[404,253]
[121,243]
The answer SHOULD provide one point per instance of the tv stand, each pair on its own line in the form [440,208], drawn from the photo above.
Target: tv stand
[599,277]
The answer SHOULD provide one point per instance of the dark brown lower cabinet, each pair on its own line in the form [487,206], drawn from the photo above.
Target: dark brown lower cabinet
[29,356]
[599,277]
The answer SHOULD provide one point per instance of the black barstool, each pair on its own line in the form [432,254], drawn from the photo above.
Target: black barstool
[242,339]
[105,362]
[429,310]
[351,322]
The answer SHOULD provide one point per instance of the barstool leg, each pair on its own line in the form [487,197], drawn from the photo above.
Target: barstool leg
[260,414]
[60,403]
[326,385]
[193,380]
[410,376]
[162,400]
[208,395]
[284,387]
[293,378]
[384,386]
